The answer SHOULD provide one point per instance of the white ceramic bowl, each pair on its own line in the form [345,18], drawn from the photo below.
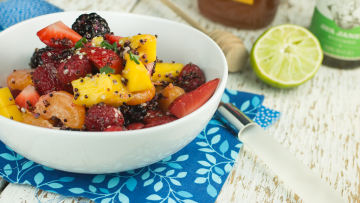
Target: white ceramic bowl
[96,152]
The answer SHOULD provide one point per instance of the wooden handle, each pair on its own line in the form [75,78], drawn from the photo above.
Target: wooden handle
[183,15]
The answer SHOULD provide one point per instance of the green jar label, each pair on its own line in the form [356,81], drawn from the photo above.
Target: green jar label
[338,30]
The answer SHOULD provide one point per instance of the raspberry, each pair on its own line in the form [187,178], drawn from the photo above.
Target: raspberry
[100,116]
[191,77]
[114,128]
[45,80]
[54,57]
[36,60]
[157,117]
[133,114]
[74,68]
[135,126]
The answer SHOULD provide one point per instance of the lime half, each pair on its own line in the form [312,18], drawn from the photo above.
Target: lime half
[286,56]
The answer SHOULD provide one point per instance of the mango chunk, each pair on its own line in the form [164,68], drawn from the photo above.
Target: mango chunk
[107,88]
[137,75]
[6,98]
[166,72]
[11,112]
[96,41]
[145,44]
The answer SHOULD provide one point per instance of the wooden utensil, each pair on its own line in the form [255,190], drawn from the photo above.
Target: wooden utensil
[233,48]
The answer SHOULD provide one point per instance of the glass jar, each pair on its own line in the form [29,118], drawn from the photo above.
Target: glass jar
[243,14]
[336,23]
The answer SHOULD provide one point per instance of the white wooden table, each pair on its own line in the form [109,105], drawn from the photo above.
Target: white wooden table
[320,121]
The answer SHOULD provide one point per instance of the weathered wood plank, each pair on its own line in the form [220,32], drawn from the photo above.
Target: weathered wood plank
[28,194]
[95,5]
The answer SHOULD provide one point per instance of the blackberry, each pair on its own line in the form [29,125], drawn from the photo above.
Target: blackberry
[133,114]
[153,104]
[35,60]
[90,26]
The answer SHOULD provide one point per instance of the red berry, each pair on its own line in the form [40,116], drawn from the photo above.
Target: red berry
[15,92]
[189,102]
[100,116]
[157,117]
[58,35]
[191,77]
[112,38]
[45,80]
[114,128]
[54,57]
[135,126]
[27,98]
[74,68]
[104,57]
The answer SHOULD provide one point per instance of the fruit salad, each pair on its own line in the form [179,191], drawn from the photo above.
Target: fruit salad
[86,78]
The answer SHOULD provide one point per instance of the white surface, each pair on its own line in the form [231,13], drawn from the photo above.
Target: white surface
[305,183]
[94,152]
[319,123]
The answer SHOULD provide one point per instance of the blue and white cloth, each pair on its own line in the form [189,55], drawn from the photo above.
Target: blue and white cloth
[194,174]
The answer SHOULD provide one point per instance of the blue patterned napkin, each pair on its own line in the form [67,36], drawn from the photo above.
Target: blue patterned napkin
[194,174]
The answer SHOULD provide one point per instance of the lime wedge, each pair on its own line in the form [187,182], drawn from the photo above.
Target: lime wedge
[286,56]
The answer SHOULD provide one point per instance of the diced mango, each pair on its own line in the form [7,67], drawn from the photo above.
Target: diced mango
[107,88]
[96,41]
[145,44]
[11,112]
[137,75]
[166,72]
[6,98]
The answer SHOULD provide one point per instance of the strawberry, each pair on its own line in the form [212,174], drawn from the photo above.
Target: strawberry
[27,98]
[112,38]
[135,126]
[104,57]
[58,35]
[157,117]
[114,128]
[189,102]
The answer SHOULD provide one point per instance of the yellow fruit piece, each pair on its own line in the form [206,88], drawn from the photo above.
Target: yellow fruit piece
[106,88]
[163,70]
[96,41]
[145,44]
[6,98]
[137,75]
[11,112]
[28,118]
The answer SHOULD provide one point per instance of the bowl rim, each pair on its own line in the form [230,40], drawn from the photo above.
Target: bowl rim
[132,133]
